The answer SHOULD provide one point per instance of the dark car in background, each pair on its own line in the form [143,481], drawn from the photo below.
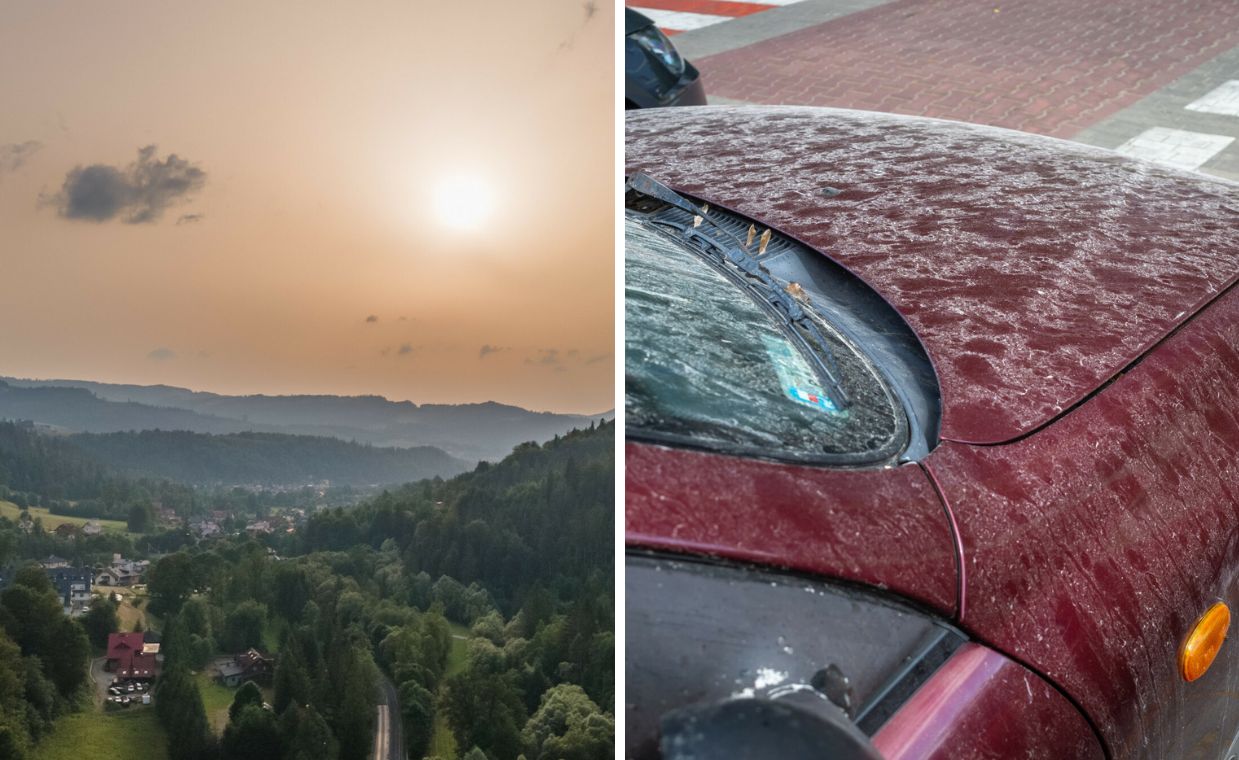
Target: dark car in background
[933,443]
[655,74]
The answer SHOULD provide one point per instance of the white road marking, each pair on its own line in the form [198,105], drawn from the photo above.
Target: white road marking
[1175,147]
[1223,99]
[680,21]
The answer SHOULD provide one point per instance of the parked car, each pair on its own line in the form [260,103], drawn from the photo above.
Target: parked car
[933,442]
[654,72]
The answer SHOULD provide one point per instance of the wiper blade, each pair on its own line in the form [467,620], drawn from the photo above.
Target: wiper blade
[730,249]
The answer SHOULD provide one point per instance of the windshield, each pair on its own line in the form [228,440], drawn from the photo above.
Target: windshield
[708,365]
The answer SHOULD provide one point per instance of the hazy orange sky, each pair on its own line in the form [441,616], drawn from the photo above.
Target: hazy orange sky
[287,233]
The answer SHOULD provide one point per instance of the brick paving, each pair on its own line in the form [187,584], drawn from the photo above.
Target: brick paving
[1053,66]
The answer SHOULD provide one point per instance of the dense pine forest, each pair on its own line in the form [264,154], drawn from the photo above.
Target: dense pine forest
[483,602]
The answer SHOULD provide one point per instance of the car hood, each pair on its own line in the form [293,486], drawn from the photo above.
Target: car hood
[1033,270]
[881,527]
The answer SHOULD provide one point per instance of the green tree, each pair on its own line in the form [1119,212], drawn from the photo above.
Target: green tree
[67,659]
[251,734]
[417,715]
[141,518]
[568,726]
[34,618]
[100,620]
[243,626]
[175,647]
[306,736]
[484,709]
[196,613]
[292,682]
[179,707]
[354,683]
[41,699]
[15,736]
[249,694]
[171,582]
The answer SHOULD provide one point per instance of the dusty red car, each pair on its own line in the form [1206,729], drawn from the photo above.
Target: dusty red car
[933,442]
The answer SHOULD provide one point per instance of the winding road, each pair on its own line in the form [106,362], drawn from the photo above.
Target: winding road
[388,740]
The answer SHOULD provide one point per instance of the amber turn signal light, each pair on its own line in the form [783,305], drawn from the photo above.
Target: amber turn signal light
[1203,643]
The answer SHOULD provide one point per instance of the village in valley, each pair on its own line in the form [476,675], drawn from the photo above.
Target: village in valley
[124,674]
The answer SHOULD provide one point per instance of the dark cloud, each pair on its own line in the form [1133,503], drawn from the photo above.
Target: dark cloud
[188,219]
[488,349]
[139,194]
[405,349]
[372,319]
[161,354]
[13,155]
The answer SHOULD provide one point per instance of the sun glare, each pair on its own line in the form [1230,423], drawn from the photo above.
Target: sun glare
[463,202]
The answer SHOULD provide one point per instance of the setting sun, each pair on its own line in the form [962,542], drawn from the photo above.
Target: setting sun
[463,202]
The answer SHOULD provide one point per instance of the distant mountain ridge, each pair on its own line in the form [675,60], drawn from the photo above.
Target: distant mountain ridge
[468,431]
[271,459]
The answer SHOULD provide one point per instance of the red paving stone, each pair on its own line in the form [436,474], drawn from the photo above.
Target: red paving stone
[1051,66]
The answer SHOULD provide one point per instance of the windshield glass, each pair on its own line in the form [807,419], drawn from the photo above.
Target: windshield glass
[707,365]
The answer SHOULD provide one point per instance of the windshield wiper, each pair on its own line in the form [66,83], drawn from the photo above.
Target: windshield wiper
[723,246]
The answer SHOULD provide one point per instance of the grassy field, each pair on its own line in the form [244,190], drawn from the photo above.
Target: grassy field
[216,699]
[131,610]
[459,653]
[51,522]
[126,735]
[442,742]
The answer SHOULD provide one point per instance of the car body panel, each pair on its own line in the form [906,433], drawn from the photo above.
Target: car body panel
[1093,546]
[980,704]
[1032,269]
[884,528]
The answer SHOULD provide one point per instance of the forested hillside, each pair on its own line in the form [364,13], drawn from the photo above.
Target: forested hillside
[541,517]
[263,458]
[49,471]
[369,593]
[484,600]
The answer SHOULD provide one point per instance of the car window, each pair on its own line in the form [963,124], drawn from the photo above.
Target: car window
[708,366]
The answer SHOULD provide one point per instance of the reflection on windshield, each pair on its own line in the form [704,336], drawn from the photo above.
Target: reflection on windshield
[706,365]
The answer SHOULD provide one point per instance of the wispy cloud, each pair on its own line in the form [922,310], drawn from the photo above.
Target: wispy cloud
[548,357]
[487,350]
[14,155]
[189,219]
[561,360]
[405,349]
[138,194]
[590,7]
[372,319]
[161,354]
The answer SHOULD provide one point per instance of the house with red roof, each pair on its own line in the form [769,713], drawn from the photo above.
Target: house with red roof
[130,657]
